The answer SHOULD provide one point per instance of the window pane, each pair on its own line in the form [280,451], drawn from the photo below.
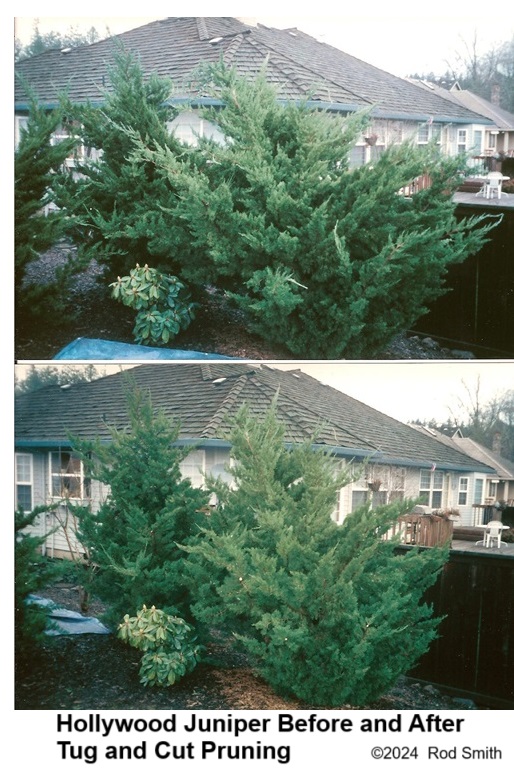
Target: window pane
[438,480]
[359,498]
[24,468]
[424,480]
[437,500]
[24,497]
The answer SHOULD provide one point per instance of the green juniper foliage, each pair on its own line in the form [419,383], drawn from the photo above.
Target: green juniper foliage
[37,166]
[119,205]
[328,260]
[132,539]
[330,614]
[32,573]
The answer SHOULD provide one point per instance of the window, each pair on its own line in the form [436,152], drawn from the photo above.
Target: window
[193,467]
[24,481]
[462,140]
[423,133]
[20,124]
[379,485]
[431,488]
[463,491]
[491,142]
[477,142]
[67,479]
[478,491]
[357,156]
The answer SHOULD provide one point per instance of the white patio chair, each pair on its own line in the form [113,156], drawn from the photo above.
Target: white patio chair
[493,532]
[494,186]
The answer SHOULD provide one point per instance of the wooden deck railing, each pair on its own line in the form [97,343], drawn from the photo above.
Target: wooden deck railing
[422,530]
[419,183]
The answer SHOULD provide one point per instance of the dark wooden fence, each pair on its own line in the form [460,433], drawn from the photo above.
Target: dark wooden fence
[474,654]
[478,312]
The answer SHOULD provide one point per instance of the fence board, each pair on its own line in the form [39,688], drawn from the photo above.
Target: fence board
[475,649]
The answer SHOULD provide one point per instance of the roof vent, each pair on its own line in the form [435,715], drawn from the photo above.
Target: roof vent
[219,380]
[215,40]
[65,50]
[66,387]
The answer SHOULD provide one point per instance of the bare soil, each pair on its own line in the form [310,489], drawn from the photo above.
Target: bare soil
[98,672]
[219,327]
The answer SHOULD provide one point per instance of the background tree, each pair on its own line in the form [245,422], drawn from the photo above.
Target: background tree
[40,377]
[41,42]
[489,422]
[329,261]
[132,539]
[479,70]
[329,614]
[37,165]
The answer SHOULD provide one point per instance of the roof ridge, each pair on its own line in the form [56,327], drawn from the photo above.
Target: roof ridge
[322,81]
[201,26]
[228,402]
[234,46]
[301,407]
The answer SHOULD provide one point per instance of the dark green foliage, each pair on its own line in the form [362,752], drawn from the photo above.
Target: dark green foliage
[41,42]
[37,166]
[331,262]
[132,540]
[120,204]
[330,613]
[32,572]
[41,376]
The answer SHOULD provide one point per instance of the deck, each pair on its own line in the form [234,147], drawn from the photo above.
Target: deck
[472,199]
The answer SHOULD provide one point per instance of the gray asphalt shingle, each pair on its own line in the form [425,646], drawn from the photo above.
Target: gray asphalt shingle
[298,65]
[204,397]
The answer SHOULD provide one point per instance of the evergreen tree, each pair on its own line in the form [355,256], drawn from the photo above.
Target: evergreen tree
[120,206]
[330,261]
[37,165]
[331,614]
[132,540]
[32,573]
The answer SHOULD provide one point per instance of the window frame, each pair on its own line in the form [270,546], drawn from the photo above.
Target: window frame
[463,491]
[430,489]
[84,482]
[23,482]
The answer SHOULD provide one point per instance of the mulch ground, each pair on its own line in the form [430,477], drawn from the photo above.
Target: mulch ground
[99,672]
[218,328]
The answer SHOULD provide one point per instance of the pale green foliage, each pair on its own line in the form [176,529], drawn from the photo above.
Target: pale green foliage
[161,301]
[329,614]
[169,648]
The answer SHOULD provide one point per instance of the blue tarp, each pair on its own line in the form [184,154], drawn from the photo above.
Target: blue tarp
[86,348]
[63,621]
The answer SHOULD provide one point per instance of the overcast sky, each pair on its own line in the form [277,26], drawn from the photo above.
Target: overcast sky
[397,35]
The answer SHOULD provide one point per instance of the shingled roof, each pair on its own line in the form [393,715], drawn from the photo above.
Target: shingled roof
[300,66]
[204,397]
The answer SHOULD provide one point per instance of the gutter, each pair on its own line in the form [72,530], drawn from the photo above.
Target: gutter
[350,453]
[344,107]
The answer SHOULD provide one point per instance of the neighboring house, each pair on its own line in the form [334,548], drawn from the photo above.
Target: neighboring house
[301,67]
[494,141]
[497,487]
[500,485]
[401,462]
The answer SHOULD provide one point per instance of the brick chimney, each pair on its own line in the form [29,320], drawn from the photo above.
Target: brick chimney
[495,94]
[497,442]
